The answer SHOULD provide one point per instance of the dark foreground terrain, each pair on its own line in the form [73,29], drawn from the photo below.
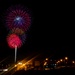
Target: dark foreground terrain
[70,71]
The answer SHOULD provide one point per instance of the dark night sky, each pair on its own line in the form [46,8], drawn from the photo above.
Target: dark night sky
[51,32]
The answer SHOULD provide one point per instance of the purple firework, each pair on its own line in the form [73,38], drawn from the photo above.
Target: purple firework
[18,17]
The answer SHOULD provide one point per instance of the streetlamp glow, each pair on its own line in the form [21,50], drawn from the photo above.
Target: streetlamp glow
[73,62]
[61,60]
[46,58]
[20,63]
[66,58]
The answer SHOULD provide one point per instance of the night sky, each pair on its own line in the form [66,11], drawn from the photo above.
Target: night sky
[51,32]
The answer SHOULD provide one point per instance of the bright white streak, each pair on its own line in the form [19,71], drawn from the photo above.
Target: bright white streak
[15,52]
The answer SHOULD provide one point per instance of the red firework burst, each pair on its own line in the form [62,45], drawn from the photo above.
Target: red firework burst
[14,40]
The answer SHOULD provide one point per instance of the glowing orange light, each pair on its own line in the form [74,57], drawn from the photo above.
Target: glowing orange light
[46,58]
[66,58]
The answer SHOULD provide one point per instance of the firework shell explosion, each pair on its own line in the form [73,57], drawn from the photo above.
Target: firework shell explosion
[17,31]
[20,33]
[17,16]
[14,40]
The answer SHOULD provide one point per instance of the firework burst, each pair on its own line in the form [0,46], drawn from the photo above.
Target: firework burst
[20,33]
[14,40]
[17,16]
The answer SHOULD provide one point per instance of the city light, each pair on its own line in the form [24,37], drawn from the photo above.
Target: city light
[73,62]
[66,58]
[20,63]
[25,65]
[61,60]
[45,63]
[15,65]
[58,61]
[5,69]
[46,58]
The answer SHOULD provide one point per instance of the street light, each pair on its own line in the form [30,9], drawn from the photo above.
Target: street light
[58,61]
[73,62]
[20,63]
[15,65]
[46,58]
[61,60]
[66,58]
